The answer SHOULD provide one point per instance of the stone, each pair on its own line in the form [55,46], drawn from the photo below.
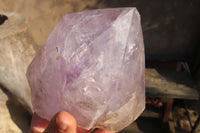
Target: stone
[17,49]
[92,66]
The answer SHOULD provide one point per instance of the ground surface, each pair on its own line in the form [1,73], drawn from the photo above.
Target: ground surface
[13,117]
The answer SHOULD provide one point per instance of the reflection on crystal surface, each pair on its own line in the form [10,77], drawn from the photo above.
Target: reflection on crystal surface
[92,66]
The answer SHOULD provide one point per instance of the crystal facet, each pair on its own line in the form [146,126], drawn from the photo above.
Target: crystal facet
[92,66]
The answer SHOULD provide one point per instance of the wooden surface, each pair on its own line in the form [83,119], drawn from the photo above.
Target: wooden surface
[170,84]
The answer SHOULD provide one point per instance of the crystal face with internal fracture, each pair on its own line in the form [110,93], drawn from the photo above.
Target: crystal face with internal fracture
[92,66]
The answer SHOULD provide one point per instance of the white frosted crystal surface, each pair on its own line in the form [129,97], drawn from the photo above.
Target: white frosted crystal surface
[92,66]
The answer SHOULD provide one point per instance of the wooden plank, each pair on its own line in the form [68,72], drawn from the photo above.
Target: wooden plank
[171,126]
[168,110]
[170,84]
[149,113]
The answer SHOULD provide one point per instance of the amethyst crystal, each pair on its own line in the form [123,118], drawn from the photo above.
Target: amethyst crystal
[92,66]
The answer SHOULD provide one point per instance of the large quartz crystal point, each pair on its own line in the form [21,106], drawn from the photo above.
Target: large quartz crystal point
[92,66]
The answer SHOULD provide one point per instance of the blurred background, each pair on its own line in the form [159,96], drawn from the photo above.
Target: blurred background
[171,38]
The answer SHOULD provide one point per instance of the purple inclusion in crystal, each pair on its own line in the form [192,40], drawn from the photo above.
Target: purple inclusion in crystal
[92,66]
